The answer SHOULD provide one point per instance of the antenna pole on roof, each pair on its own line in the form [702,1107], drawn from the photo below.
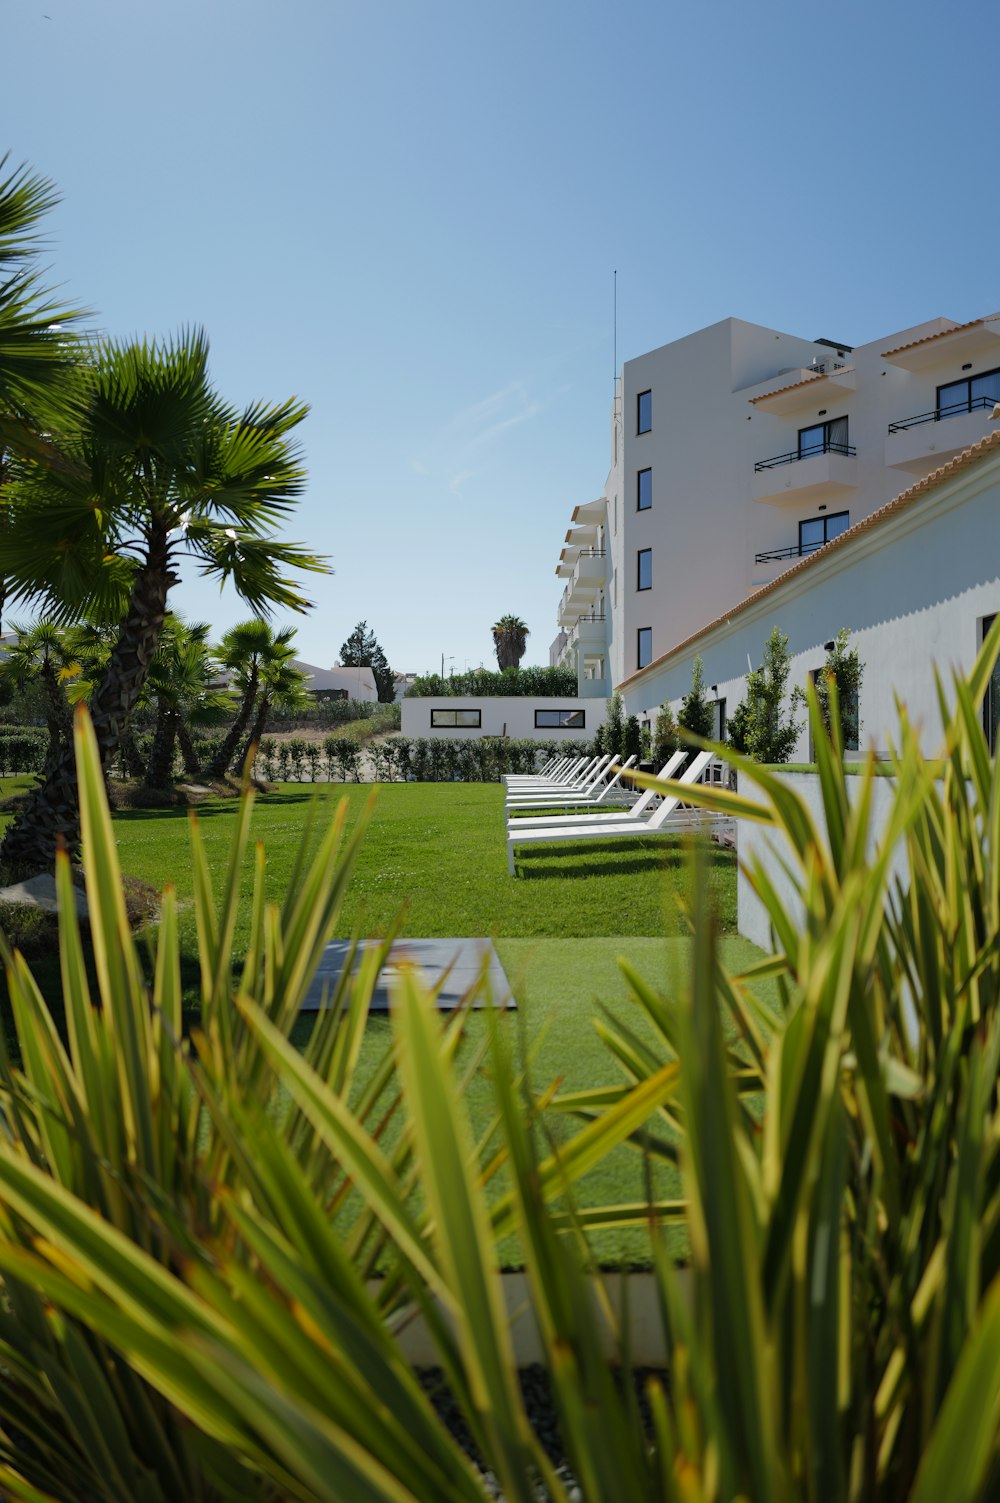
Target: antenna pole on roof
[614,373]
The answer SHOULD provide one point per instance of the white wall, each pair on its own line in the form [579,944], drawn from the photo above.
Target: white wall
[502,716]
[912,591]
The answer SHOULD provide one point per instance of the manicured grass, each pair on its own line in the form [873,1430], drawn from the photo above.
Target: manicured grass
[560,928]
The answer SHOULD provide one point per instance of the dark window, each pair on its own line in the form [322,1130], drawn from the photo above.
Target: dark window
[445,719]
[719,723]
[644,412]
[975,394]
[819,530]
[991,699]
[645,569]
[824,438]
[644,651]
[562,720]
[645,490]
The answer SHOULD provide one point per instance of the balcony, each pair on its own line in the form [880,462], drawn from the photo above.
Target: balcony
[806,475]
[919,444]
[590,568]
[798,389]
[590,629]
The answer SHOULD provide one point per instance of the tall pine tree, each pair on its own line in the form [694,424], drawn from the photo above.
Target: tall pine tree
[362,650]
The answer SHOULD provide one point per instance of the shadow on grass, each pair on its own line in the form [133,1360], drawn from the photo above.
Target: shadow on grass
[644,856]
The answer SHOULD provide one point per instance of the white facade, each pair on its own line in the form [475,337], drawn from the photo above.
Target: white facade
[471,716]
[916,585]
[352,683]
[758,447]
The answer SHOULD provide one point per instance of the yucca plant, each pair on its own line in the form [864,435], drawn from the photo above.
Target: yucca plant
[228,1160]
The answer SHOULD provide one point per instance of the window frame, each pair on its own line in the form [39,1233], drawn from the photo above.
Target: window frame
[824,518]
[828,448]
[454,725]
[638,489]
[955,409]
[570,720]
[991,720]
[640,554]
[648,630]
[638,411]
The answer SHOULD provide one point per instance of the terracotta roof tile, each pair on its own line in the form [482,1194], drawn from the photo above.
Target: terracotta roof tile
[941,334]
[793,385]
[988,445]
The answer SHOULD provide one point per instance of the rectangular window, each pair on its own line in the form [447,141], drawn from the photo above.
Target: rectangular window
[644,412]
[560,720]
[824,438]
[644,497]
[719,720]
[452,719]
[816,531]
[991,699]
[976,394]
[644,646]
[645,569]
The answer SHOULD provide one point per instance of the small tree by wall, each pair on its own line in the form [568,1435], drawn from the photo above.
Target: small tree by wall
[768,727]
[632,745]
[614,727]
[845,669]
[696,713]
[665,741]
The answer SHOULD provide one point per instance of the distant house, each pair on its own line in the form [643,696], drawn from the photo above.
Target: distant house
[338,682]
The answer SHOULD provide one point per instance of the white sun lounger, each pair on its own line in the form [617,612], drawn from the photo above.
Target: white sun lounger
[565,769]
[596,794]
[591,817]
[579,782]
[584,828]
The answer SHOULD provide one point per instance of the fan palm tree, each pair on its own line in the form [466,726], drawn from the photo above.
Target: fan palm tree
[36,349]
[510,638]
[243,650]
[183,687]
[162,468]
[44,654]
[282,686]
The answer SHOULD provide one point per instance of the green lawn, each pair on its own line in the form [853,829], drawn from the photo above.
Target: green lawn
[560,928]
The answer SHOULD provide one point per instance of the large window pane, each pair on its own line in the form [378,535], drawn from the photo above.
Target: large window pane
[838,523]
[645,646]
[645,490]
[811,440]
[991,700]
[954,396]
[987,385]
[645,412]
[812,534]
[645,568]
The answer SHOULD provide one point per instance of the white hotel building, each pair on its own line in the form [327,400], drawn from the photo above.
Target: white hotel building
[739,455]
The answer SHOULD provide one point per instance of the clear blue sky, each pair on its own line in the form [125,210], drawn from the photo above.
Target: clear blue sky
[408,214]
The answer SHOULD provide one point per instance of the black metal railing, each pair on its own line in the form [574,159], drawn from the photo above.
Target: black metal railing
[592,552]
[953,409]
[591,616]
[797,552]
[828,446]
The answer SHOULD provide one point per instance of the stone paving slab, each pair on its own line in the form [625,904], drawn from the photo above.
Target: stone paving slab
[40,892]
[455,964]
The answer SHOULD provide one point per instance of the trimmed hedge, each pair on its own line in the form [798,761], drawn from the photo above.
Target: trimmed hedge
[519,683]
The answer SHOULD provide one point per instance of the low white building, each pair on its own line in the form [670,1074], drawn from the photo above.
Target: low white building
[916,582]
[518,716]
[338,682]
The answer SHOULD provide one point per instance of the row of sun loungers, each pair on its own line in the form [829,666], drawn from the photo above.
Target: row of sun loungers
[569,786]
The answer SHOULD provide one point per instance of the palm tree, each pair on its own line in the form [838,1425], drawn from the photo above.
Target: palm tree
[43,654]
[510,638]
[162,468]
[36,349]
[282,686]
[183,687]
[243,650]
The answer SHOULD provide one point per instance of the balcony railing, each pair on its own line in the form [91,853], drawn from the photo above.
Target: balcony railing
[592,616]
[796,552]
[828,446]
[592,552]
[954,409]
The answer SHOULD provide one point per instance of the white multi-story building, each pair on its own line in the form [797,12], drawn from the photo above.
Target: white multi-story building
[739,450]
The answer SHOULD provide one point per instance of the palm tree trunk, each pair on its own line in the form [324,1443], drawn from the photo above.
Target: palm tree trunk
[191,763]
[52,814]
[58,716]
[130,754]
[223,759]
[259,727]
[160,772]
